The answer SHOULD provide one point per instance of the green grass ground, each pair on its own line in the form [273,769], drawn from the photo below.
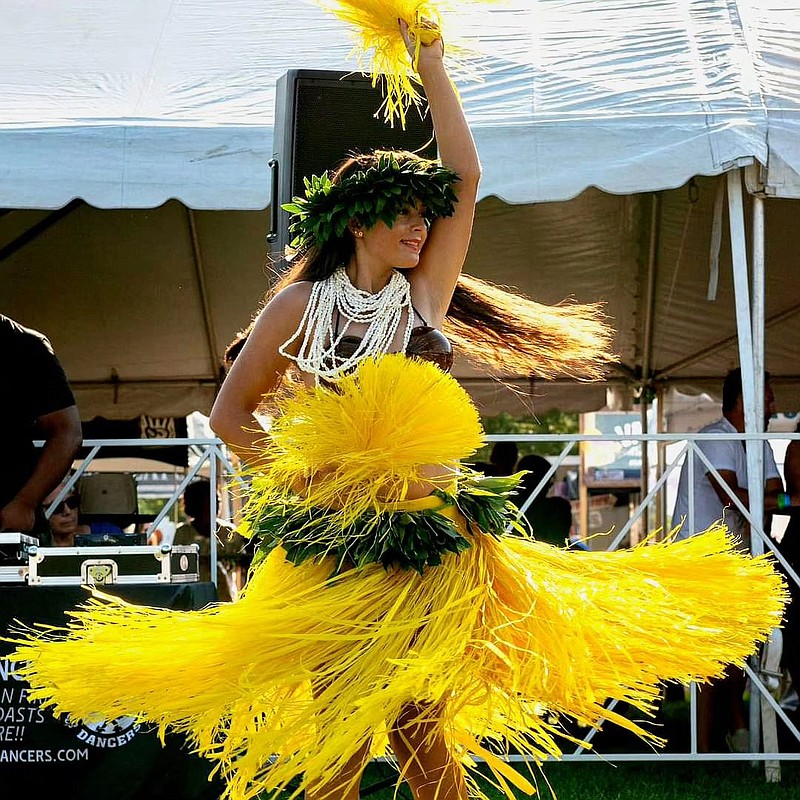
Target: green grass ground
[636,781]
[645,780]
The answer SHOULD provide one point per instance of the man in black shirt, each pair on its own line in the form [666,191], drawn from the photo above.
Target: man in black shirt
[36,402]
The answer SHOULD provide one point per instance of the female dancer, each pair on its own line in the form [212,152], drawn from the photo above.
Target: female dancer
[388,606]
[371,255]
[434,259]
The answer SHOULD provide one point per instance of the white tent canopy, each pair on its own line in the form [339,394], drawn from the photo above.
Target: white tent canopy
[129,107]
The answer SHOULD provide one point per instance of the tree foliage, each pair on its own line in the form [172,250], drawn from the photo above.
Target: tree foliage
[552,422]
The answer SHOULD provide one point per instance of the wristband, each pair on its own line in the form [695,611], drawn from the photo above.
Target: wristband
[784,500]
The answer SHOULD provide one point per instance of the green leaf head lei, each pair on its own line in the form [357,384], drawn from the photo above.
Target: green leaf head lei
[373,193]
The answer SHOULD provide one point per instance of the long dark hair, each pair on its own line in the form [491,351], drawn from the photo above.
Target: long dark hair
[499,329]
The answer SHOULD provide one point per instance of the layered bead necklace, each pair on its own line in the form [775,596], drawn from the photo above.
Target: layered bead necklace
[336,296]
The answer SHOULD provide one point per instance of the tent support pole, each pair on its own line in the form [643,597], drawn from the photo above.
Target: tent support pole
[208,320]
[38,229]
[583,491]
[772,768]
[752,376]
[648,310]
[758,281]
[661,507]
[645,474]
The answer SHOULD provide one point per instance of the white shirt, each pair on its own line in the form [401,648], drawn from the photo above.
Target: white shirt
[708,508]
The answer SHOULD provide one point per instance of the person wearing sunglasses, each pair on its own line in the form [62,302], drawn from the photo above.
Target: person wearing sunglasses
[64,521]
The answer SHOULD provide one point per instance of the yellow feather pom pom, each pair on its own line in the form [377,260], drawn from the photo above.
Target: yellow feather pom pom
[380,50]
[360,444]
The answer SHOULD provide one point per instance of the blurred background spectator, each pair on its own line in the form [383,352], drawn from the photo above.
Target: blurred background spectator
[64,521]
[232,556]
[550,517]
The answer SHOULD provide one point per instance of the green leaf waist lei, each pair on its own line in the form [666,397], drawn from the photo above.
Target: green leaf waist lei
[376,193]
[400,540]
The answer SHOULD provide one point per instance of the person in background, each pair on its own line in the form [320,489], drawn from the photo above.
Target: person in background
[721,714]
[230,545]
[550,517]
[502,460]
[163,534]
[789,548]
[36,403]
[64,523]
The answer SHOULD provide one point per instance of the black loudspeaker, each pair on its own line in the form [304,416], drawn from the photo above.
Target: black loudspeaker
[321,116]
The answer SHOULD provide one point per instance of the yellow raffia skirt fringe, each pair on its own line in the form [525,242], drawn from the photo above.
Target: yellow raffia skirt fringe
[285,685]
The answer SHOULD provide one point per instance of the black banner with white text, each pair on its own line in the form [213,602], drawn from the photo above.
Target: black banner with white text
[120,758]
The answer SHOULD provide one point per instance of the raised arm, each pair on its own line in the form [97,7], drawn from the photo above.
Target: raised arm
[256,374]
[434,279]
[62,434]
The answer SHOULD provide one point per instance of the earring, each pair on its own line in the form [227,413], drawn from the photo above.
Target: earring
[359,234]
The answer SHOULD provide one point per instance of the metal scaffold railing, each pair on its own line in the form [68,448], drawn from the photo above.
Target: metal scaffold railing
[653,494]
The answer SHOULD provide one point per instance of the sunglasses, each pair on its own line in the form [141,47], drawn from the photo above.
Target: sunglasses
[68,503]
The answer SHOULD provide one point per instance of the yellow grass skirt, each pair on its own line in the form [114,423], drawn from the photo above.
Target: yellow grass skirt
[495,644]
[493,639]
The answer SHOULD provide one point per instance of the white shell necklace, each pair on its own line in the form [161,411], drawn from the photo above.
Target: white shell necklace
[380,312]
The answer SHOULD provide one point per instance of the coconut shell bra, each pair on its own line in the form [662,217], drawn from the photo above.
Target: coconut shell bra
[426,343]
